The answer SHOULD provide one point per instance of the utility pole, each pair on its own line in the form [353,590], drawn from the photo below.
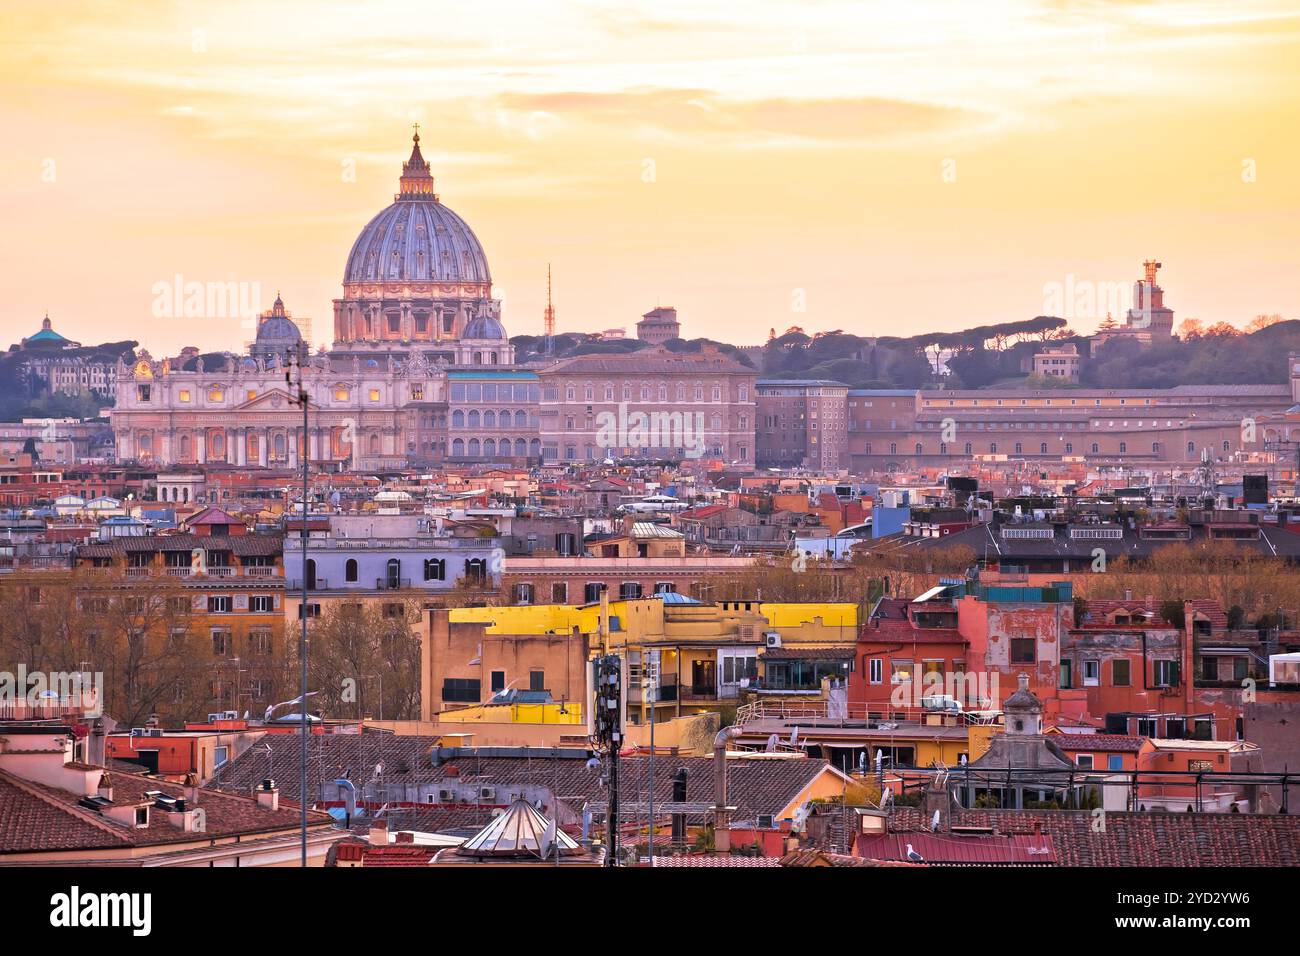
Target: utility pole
[652,676]
[608,725]
[298,396]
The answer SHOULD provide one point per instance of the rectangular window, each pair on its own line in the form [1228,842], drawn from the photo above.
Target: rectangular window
[537,680]
[1024,650]
[559,593]
[1091,673]
[261,604]
[498,681]
[1119,673]
[219,604]
[1165,673]
[1114,761]
[461,690]
[876,670]
[900,672]
[1083,761]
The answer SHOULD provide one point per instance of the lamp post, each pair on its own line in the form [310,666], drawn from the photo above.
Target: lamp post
[295,362]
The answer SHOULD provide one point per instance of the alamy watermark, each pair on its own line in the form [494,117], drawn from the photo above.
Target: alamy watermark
[44,690]
[665,431]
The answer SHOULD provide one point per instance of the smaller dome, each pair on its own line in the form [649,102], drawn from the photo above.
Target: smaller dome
[278,328]
[484,327]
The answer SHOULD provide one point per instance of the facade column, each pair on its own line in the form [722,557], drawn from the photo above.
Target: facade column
[263,443]
[201,447]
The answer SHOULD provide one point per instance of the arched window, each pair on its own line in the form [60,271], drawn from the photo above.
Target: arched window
[1094,448]
[473,448]
[476,571]
[1191,448]
[478,358]
[489,419]
[1155,448]
[279,446]
[350,570]
[521,419]
[503,418]
[311,574]
[473,419]
[993,448]
[394,579]
[185,446]
[1226,446]
[374,443]
[1123,448]
[970,449]
[918,448]
[489,448]
[1069,448]
[1042,448]
[435,569]
[521,448]
[458,419]
[535,447]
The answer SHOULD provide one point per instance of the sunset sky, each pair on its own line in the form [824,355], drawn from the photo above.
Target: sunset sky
[894,168]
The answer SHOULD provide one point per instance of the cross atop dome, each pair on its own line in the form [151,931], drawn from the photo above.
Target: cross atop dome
[417,181]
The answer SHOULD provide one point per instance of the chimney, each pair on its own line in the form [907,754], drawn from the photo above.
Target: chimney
[721,811]
[105,787]
[679,796]
[192,788]
[937,800]
[268,794]
[1128,594]
[379,833]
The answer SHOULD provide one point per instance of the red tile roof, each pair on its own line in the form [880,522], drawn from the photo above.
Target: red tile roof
[1112,743]
[1141,838]
[35,817]
[939,849]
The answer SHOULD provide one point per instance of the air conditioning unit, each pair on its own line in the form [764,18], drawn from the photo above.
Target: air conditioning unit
[446,796]
[765,821]
[230,715]
[137,731]
[772,639]
[487,794]
[213,718]
[153,732]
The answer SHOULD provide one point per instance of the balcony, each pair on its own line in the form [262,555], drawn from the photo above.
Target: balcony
[320,584]
[392,584]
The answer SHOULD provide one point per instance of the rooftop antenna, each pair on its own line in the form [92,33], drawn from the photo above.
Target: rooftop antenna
[548,317]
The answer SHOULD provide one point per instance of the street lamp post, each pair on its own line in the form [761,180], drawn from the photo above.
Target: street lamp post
[297,362]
